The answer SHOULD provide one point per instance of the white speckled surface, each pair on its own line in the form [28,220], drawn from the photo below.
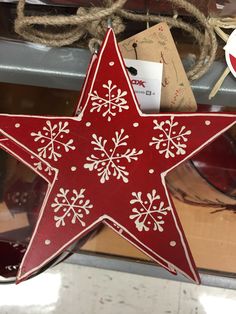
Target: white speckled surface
[70,289]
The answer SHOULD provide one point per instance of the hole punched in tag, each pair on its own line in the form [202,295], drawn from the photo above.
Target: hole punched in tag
[133,71]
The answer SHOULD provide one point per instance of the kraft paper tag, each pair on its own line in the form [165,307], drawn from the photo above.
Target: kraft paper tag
[146,79]
[156,44]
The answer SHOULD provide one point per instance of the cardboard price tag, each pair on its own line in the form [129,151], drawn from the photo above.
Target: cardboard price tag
[157,45]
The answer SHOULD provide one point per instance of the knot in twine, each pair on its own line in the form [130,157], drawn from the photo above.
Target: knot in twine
[94,21]
[98,27]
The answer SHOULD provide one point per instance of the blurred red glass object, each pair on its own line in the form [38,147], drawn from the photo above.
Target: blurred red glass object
[11,256]
[209,179]
[220,168]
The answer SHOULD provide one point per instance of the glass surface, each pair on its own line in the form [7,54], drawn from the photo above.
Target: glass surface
[203,189]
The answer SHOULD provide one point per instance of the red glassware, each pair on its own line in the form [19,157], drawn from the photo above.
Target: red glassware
[209,179]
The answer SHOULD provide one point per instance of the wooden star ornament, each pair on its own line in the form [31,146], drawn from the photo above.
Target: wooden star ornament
[109,164]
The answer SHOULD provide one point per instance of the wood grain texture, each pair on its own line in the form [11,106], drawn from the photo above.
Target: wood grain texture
[211,238]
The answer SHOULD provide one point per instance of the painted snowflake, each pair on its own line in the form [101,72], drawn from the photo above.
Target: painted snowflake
[149,213]
[109,160]
[70,206]
[113,101]
[172,139]
[39,166]
[52,140]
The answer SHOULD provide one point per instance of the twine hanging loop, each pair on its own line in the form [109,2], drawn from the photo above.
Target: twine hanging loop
[93,22]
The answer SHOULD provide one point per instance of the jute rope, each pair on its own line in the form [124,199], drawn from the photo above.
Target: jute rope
[93,21]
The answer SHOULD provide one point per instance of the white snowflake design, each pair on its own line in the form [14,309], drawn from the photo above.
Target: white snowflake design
[72,206]
[39,166]
[52,140]
[170,141]
[148,213]
[108,162]
[112,101]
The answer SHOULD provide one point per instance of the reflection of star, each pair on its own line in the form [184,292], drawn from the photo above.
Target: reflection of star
[109,164]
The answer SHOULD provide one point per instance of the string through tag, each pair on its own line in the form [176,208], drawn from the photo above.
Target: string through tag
[135,45]
[132,70]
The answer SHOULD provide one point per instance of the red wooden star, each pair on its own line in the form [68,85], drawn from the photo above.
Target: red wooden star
[109,164]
